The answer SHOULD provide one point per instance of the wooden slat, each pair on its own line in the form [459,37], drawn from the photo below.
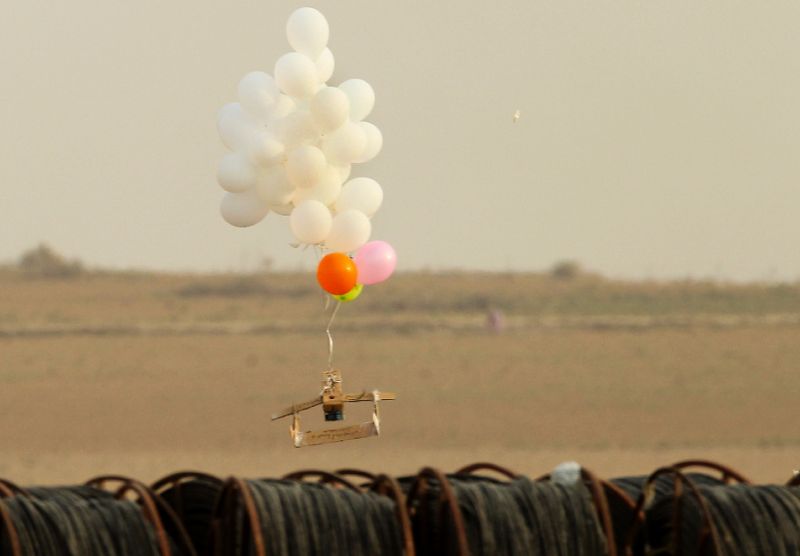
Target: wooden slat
[326,436]
[359,397]
[368,397]
[297,407]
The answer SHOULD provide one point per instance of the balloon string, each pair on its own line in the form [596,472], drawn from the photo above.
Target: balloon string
[330,337]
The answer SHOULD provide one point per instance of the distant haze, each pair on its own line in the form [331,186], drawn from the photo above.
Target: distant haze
[655,139]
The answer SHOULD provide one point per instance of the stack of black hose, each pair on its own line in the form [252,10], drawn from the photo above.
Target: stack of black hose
[75,521]
[293,518]
[730,520]
[516,517]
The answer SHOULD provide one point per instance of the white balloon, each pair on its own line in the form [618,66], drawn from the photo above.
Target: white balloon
[284,105]
[235,126]
[273,187]
[344,172]
[296,75]
[350,230]
[243,209]
[310,222]
[265,149]
[374,142]
[283,210]
[362,98]
[344,145]
[330,108]
[325,65]
[236,173]
[307,31]
[362,194]
[257,94]
[296,129]
[305,166]
[302,103]
[326,190]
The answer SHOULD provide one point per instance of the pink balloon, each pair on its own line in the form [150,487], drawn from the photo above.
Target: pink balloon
[376,261]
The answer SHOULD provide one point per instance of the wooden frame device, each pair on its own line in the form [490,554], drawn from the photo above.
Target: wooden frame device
[332,399]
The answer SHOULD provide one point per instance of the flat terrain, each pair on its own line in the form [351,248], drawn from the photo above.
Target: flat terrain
[145,374]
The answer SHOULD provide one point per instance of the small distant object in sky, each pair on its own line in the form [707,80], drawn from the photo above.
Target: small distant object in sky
[516,116]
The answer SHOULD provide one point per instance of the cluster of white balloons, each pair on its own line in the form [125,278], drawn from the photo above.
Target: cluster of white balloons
[293,141]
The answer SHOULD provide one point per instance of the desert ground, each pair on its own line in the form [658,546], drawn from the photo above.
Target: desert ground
[143,374]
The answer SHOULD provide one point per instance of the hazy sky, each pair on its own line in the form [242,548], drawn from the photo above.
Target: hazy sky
[657,139]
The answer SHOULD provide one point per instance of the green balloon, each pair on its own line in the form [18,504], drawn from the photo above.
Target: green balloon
[352,295]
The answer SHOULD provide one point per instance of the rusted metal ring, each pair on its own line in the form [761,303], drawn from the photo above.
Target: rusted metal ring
[150,511]
[8,489]
[612,491]
[177,524]
[360,473]
[389,487]
[152,506]
[175,481]
[728,473]
[176,478]
[6,492]
[232,486]
[11,530]
[709,529]
[601,507]
[486,466]
[618,493]
[325,477]
[420,486]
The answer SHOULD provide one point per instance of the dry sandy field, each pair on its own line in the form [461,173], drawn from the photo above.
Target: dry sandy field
[144,374]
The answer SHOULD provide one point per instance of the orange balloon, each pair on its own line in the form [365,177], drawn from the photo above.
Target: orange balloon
[337,273]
